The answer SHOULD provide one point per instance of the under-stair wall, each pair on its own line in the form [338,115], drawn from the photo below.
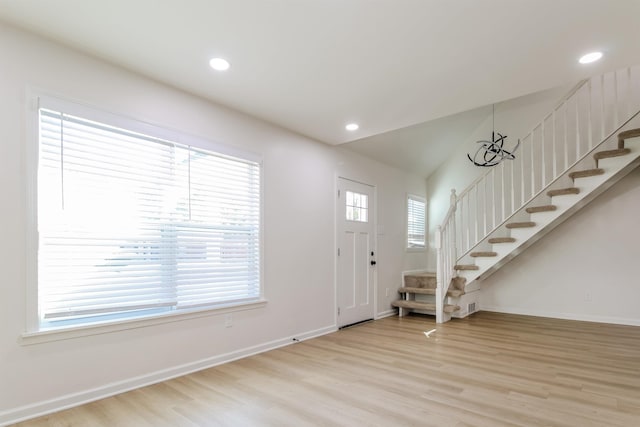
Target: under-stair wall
[583,270]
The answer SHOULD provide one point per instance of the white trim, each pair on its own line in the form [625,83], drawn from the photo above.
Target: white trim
[35,99]
[409,196]
[70,332]
[337,178]
[336,189]
[564,316]
[74,399]
[387,313]
[31,205]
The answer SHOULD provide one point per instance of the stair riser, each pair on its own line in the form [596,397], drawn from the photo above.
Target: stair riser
[608,154]
[624,138]
[426,298]
[485,263]
[469,275]
[522,234]
[420,282]
[471,286]
[546,217]
[592,181]
[457,283]
[421,305]
[587,185]
[562,202]
[504,248]
[614,163]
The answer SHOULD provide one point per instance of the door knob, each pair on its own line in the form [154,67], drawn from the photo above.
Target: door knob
[373,263]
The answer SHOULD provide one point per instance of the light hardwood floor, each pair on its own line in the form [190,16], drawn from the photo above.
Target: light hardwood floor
[487,370]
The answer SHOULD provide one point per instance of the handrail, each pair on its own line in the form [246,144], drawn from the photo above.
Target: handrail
[559,104]
[594,109]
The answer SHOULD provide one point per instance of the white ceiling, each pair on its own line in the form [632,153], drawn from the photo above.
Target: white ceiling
[421,148]
[314,65]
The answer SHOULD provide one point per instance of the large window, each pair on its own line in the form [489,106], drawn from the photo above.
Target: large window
[131,225]
[416,215]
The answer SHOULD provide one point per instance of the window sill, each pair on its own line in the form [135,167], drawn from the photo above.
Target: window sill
[49,335]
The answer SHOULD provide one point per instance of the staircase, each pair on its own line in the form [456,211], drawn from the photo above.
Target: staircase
[581,185]
[419,291]
[584,146]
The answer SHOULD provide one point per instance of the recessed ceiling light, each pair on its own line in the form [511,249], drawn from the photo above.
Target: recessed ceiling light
[352,126]
[590,57]
[219,64]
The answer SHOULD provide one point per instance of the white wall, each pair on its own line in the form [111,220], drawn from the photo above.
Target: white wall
[299,246]
[514,118]
[584,269]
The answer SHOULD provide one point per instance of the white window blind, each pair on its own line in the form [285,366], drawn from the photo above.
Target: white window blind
[130,225]
[416,215]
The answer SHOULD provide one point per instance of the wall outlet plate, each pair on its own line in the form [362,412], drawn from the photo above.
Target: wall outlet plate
[228,320]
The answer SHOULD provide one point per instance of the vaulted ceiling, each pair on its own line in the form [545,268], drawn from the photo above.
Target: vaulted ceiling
[313,66]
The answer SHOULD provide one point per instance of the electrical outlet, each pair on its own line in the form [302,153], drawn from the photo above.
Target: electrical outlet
[588,296]
[228,320]
[387,292]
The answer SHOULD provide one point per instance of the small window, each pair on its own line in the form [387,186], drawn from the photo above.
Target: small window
[416,208]
[132,226]
[357,207]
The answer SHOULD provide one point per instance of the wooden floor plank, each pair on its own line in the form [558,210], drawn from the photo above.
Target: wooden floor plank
[489,369]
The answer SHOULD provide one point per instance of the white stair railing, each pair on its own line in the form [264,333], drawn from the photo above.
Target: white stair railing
[446,252]
[594,110]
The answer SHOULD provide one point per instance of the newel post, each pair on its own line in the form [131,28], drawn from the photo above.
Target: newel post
[453,200]
[439,279]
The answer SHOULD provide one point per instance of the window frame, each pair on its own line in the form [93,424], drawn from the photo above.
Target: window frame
[34,333]
[407,209]
[356,208]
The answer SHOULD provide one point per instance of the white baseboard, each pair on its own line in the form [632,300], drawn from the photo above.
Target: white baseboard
[71,400]
[388,313]
[565,316]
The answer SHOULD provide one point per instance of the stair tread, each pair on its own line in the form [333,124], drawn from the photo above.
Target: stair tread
[632,133]
[585,173]
[458,283]
[543,208]
[448,308]
[563,191]
[423,291]
[412,290]
[611,153]
[425,274]
[425,280]
[483,254]
[466,267]
[494,240]
[524,224]
[455,293]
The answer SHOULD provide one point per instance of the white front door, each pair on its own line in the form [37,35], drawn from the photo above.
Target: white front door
[356,252]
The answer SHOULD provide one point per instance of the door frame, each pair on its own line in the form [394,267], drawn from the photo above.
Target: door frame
[374,205]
